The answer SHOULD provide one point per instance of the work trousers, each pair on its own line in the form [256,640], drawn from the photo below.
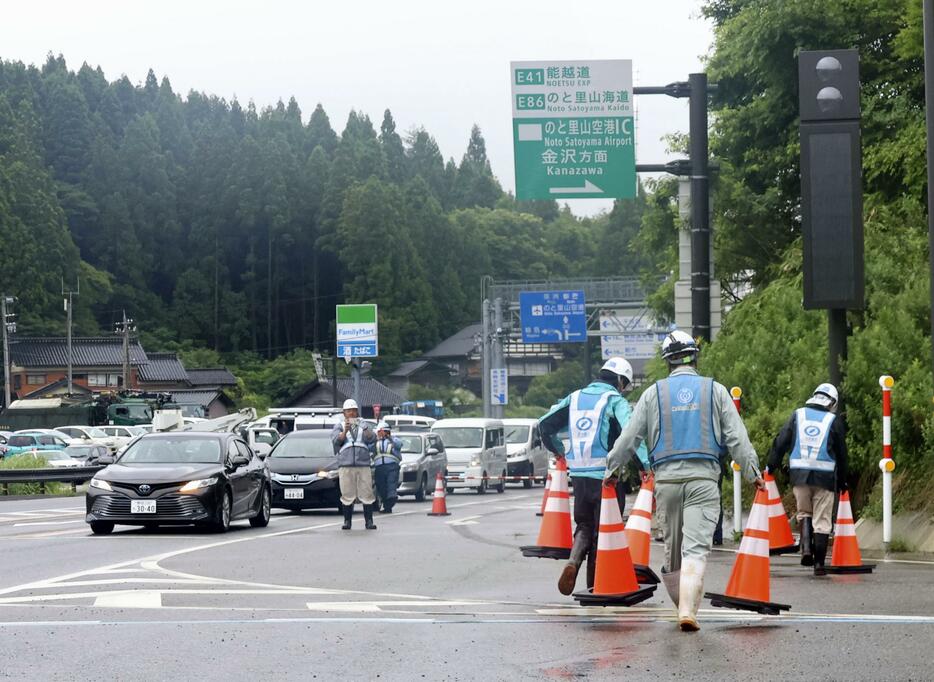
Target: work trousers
[387,482]
[817,503]
[356,484]
[688,513]
[588,493]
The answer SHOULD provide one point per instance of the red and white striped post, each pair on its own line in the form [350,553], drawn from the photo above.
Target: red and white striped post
[737,394]
[886,464]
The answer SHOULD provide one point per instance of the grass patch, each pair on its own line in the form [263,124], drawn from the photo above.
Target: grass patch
[31,462]
[900,544]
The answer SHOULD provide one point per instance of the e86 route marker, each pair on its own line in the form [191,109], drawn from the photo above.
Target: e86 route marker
[573,129]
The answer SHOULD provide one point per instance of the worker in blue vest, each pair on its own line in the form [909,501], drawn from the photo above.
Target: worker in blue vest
[816,439]
[688,422]
[387,458]
[594,417]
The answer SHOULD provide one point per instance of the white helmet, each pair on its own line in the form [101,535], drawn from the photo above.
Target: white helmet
[824,395]
[620,367]
[350,404]
[679,343]
[383,426]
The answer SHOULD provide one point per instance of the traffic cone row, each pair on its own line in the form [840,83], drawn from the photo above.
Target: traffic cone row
[615,582]
[748,587]
[846,557]
[439,505]
[781,541]
[639,532]
[554,537]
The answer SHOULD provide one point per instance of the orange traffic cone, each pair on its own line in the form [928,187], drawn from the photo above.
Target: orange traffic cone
[615,582]
[781,541]
[541,512]
[748,588]
[846,557]
[439,505]
[554,537]
[639,532]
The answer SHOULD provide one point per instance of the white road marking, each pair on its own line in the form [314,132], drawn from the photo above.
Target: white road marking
[466,521]
[46,523]
[135,599]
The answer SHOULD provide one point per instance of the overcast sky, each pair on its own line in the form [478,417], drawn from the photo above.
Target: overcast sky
[435,63]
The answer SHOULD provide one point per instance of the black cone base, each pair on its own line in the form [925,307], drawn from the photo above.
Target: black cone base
[764,607]
[439,513]
[537,552]
[843,570]
[646,576]
[539,514]
[588,598]
[788,549]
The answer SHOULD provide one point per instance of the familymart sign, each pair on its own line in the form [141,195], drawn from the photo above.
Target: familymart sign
[357,334]
[573,134]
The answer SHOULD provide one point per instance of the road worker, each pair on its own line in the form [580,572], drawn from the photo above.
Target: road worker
[816,441]
[387,458]
[594,416]
[688,422]
[352,438]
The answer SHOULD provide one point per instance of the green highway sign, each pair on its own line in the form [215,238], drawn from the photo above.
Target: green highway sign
[572,128]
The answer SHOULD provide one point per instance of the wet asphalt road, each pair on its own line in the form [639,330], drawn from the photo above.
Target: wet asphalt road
[421,598]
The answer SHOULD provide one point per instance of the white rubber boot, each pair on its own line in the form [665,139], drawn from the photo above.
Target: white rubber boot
[691,590]
[672,582]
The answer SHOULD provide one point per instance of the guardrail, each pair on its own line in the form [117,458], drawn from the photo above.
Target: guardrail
[73,475]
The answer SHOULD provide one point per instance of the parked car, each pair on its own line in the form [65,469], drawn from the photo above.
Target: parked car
[20,443]
[86,455]
[476,453]
[423,458]
[123,434]
[526,456]
[303,468]
[407,422]
[90,434]
[200,478]
[60,459]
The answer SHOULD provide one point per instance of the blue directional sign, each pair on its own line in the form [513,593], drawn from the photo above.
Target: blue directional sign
[553,316]
[499,386]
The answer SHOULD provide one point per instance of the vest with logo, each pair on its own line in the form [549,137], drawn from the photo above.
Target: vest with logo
[586,415]
[685,421]
[811,438]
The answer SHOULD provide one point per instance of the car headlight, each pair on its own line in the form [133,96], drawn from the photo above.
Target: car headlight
[410,466]
[198,485]
[101,484]
[475,462]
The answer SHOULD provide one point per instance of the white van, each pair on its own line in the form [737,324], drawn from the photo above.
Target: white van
[526,456]
[476,450]
[408,422]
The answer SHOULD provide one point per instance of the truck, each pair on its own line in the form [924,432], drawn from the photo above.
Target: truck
[424,408]
[120,409]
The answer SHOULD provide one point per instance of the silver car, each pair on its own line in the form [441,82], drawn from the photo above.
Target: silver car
[423,458]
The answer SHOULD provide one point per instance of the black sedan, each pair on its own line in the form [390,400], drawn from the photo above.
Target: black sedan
[207,479]
[304,471]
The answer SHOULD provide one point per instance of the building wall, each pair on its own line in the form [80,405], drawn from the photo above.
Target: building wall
[79,378]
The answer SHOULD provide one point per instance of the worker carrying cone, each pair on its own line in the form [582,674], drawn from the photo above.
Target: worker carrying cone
[846,557]
[781,541]
[615,582]
[748,588]
[554,536]
[594,416]
[439,505]
[688,422]
[639,532]
[816,442]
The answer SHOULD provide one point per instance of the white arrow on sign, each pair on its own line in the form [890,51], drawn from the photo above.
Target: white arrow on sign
[588,188]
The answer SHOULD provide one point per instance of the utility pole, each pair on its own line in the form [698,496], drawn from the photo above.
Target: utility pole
[69,303]
[8,327]
[928,12]
[497,344]
[124,328]
[700,208]
[486,364]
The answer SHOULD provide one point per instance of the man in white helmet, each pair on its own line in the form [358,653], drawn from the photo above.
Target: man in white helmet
[387,458]
[352,438]
[594,416]
[688,422]
[816,441]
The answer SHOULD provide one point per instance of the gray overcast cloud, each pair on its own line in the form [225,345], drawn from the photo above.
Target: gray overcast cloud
[441,65]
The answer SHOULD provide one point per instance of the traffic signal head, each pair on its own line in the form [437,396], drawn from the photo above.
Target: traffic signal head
[828,82]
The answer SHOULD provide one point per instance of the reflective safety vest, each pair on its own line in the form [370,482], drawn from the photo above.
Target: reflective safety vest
[386,452]
[685,420]
[586,413]
[811,439]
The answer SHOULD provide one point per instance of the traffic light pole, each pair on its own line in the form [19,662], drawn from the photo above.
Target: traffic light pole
[929,115]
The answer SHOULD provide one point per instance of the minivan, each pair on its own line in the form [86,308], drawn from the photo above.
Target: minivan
[476,450]
[526,456]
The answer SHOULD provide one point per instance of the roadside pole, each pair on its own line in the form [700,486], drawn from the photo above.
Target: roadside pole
[886,464]
[4,300]
[700,208]
[487,365]
[737,393]
[355,365]
[497,344]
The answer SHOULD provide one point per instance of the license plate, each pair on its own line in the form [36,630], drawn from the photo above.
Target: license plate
[294,494]
[143,506]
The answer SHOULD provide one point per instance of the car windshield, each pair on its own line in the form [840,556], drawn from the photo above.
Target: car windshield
[461,437]
[94,432]
[56,455]
[267,437]
[133,431]
[173,449]
[411,446]
[20,441]
[304,446]
[517,434]
[78,450]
